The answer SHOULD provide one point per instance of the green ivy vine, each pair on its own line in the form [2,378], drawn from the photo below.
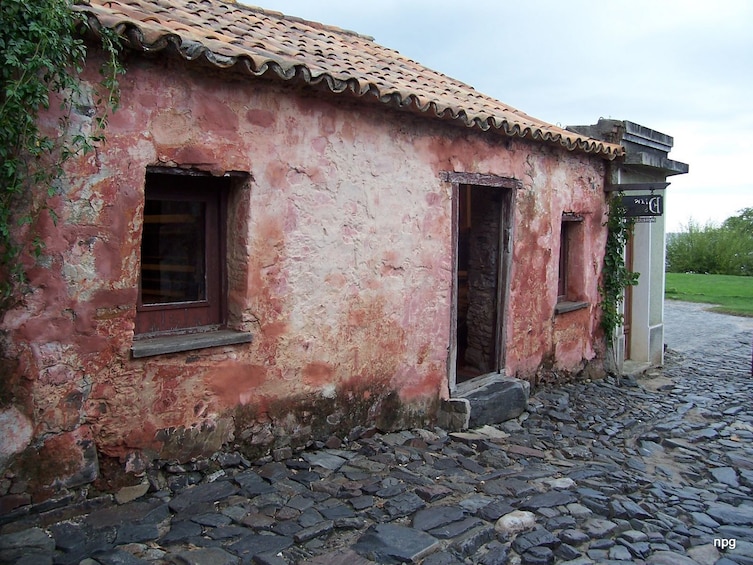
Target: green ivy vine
[616,277]
[42,56]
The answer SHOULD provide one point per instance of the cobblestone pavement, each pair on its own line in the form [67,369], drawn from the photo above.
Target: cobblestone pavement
[656,470]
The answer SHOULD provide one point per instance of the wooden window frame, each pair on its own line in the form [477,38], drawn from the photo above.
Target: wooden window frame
[564,260]
[210,312]
[566,299]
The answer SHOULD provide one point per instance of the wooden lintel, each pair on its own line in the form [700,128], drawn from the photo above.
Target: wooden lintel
[480,179]
[636,186]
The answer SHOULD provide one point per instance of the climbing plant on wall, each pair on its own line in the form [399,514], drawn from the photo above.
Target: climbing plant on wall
[616,277]
[42,55]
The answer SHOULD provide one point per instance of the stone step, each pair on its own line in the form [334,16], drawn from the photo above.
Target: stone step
[484,401]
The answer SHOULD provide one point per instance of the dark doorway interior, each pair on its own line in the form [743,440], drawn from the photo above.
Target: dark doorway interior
[478,320]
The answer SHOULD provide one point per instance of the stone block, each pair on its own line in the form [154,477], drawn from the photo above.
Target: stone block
[247,547]
[456,529]
[471,541]
[17,433]
[66,460]
[454,414]
[131,493]
[206,492]
[208,556]
[535,538]
[549,500]
[390,543]
[496,400]
[515,522]
[435,517]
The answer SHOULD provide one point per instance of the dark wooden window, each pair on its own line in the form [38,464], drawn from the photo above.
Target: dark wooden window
[182,253]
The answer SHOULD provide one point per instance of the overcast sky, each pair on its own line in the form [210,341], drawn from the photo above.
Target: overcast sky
[681,67]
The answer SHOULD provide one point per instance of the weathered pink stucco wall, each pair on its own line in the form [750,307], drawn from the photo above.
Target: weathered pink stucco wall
[340,265]
[537,338]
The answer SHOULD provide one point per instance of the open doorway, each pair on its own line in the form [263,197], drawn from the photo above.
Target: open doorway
[483,259]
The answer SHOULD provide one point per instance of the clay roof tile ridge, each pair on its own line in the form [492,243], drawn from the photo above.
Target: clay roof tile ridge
[227,34]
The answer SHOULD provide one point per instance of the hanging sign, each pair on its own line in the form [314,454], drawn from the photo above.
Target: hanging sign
[639,206]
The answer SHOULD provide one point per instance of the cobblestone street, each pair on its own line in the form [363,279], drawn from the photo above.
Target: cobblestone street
[657,470]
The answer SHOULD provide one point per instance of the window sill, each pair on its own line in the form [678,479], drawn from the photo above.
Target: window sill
[568,306]
[187,342]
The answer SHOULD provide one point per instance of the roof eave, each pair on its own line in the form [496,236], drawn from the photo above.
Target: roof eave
[288,70]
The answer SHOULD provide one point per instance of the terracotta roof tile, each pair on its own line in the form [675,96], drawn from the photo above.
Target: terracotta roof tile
[259,41]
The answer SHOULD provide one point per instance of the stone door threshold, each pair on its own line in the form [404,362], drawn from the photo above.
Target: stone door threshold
[486,400]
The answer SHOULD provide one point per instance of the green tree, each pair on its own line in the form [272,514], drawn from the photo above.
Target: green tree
[742,223]
[42,55]
[740,230]
[725,249]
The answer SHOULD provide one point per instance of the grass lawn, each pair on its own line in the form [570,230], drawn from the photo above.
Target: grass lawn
[732,295]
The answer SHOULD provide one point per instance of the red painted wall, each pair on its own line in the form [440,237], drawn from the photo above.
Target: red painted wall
[340,265]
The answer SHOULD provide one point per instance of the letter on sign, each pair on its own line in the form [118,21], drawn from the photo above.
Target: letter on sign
[643,205]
